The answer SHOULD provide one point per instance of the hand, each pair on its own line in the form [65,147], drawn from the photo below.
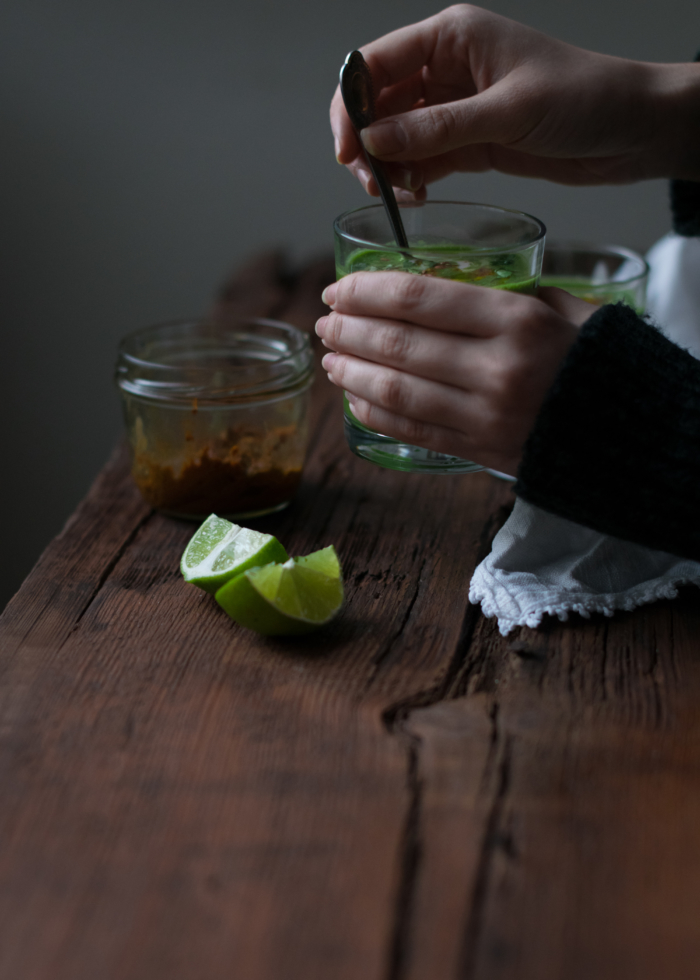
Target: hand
[468,90]
[445,365]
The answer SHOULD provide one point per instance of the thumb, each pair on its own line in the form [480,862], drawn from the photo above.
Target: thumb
[501,114]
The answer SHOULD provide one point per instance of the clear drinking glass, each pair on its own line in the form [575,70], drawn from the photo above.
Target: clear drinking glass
[599,274]
[216,415]
[472,243]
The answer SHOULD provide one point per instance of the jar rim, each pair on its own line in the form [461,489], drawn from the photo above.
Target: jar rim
[413,205]
[238,360]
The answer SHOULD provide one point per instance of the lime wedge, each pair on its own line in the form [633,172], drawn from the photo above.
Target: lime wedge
[219,550]
[283,599]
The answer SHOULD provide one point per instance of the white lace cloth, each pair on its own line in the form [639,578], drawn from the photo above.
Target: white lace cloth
[541,564]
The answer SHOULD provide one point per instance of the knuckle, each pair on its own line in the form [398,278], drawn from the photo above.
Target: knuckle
[339,365]
[506,375]
[390,391]
[415,432]
[408,292]
[334,329]
[459,12]
[444,124]
[348,288]
[394,344]
[490,426]
[529,320]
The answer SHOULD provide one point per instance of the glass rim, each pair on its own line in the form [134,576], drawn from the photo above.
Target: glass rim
[410,205]
[153,379]
[590,248]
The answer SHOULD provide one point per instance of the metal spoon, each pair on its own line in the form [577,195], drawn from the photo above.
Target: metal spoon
[356,89]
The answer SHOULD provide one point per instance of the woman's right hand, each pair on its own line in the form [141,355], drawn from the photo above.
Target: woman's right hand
[468,90]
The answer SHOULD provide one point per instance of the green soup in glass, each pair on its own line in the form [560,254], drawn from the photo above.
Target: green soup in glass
[471,243]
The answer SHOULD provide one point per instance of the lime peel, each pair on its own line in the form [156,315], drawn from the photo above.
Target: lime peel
[220,550]
[294,597]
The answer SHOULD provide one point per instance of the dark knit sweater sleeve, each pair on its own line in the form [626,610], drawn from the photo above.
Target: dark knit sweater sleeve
[616,445]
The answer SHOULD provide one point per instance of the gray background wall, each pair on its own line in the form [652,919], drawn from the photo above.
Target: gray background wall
[147,146]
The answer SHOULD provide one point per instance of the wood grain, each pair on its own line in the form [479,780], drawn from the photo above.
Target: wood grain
[406,795]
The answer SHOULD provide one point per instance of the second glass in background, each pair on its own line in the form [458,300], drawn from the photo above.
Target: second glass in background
[599,274]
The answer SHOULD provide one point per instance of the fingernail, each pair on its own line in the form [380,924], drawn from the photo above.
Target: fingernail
[384,138]
[364,176]
[351,398]
[327,362]
[337,148]
[328,294]
[321,325]
[410,180]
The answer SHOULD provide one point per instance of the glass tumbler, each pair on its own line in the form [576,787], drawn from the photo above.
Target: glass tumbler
[471,243]
[216,415]
[599,274]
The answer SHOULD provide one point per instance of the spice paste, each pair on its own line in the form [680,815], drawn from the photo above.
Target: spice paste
[246,472]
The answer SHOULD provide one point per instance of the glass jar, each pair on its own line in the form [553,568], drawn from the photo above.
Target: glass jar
[216,415]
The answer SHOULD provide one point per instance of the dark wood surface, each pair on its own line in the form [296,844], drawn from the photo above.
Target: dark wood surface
[405,796]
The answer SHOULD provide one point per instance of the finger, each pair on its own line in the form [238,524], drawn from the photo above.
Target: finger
[360,169]
[396,99]
[391,59]
[441,304]
[347,145]
[570,307]
[429,354]
[406,95]
[485,156]
[402,53]
[436,437]
[402,394]
[502,114]
[401,177]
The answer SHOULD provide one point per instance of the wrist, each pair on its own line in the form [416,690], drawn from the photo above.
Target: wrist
[675,92]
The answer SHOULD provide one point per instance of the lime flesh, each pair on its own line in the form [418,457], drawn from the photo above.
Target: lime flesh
[295,597]
[220,550]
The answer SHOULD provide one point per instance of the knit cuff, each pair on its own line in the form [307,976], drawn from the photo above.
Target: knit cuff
[685,207]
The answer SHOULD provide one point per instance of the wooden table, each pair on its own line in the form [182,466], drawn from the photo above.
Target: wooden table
[405,796]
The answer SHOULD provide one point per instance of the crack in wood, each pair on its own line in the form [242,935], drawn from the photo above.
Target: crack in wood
[454,684]
[411,853]
[383,654]
[107,571]
[650,672]
[456,680]
[495,838]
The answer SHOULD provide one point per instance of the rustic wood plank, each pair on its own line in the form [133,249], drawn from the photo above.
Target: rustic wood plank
[191,808]
[181,795]
[74,566]
[562,840]
[406,795]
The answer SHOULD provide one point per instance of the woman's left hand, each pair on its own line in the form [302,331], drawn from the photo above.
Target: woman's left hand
[452,367]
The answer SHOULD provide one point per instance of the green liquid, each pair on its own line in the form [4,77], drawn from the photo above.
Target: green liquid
[509,271]
[598,295]
[455,262]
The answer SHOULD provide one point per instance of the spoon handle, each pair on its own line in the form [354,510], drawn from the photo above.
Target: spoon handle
[388,199]
[358,96]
